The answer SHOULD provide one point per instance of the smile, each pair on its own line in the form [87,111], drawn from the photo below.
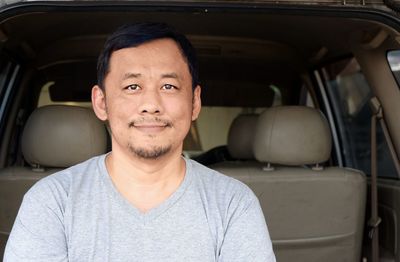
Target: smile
[150,128]
[150,124]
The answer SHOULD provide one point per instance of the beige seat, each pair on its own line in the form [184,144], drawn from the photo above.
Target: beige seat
[241,137]
[54,137]
[240,147]
[313,213]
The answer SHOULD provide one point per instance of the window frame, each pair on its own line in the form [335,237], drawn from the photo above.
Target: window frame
[336,120]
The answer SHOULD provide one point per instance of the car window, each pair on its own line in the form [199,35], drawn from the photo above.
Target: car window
[45,98]
[349,95]
[393,58]
[5,67]
[7,77]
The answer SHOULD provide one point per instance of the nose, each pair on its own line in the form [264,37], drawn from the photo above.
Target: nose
[150,102]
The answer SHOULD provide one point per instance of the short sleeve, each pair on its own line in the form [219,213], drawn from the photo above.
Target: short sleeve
[38,231]
[247,238]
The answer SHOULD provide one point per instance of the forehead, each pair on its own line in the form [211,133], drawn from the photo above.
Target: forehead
[160,54]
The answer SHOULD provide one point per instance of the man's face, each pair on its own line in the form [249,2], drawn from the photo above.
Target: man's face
[148,99]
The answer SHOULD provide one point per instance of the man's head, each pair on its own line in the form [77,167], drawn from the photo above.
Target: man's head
[147,90]
[133,35]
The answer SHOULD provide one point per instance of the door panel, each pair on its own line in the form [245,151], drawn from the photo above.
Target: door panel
[389,211]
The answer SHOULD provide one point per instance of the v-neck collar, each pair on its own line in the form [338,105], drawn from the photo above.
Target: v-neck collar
[135,212]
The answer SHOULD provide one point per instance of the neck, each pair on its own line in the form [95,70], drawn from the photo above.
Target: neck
[141,171]
[145,183]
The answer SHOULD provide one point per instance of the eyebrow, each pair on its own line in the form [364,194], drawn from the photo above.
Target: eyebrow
[137,75]
[170,75]
[131,75]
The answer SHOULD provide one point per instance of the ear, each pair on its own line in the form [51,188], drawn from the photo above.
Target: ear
[99,103]
[196,103]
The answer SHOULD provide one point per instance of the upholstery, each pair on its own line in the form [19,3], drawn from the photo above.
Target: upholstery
[61,136]
[241,136]
[292,135]
[240,143]
[313,214]
[54,137]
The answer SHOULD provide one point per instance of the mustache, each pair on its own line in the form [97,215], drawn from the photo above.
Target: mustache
[153,120]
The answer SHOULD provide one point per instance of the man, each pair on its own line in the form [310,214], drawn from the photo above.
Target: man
[143,201]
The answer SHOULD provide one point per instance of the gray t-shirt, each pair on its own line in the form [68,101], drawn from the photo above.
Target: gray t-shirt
[78,215]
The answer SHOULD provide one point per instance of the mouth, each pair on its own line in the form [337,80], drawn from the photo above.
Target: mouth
[150,127]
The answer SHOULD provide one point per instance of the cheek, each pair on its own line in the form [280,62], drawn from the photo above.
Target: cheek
[118,116]
[180,110]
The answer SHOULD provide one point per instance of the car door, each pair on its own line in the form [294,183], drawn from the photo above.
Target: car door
[349,93]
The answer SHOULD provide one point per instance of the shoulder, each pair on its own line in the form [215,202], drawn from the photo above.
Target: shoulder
[216,180]
[57,187]
[224,189]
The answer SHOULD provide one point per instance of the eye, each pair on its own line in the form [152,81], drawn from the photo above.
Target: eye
[168,87]
[133,87]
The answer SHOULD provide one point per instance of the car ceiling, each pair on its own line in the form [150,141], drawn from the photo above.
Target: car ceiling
[251,49]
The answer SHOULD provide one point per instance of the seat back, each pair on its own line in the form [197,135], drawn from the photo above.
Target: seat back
[239,147]
[241,137]
[54,138]
[313,213]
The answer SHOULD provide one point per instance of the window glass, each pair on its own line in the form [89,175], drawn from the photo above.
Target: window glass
[394,63]
[5,69]
[8,74]
[4,72]
[349,94]
[306,98]
[45,99]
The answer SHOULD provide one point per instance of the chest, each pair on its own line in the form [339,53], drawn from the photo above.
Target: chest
[107,231]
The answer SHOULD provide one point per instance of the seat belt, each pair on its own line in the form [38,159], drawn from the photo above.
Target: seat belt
[390,145]
[374,220]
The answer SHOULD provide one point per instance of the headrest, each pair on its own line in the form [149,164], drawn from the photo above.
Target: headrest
[292,135]
[62,136]
[241,136]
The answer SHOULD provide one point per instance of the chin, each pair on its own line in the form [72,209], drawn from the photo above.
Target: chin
[150,153]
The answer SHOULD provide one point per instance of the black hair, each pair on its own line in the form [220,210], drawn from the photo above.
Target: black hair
[133,35]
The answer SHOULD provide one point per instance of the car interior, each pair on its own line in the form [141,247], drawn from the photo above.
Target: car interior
[285,109]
